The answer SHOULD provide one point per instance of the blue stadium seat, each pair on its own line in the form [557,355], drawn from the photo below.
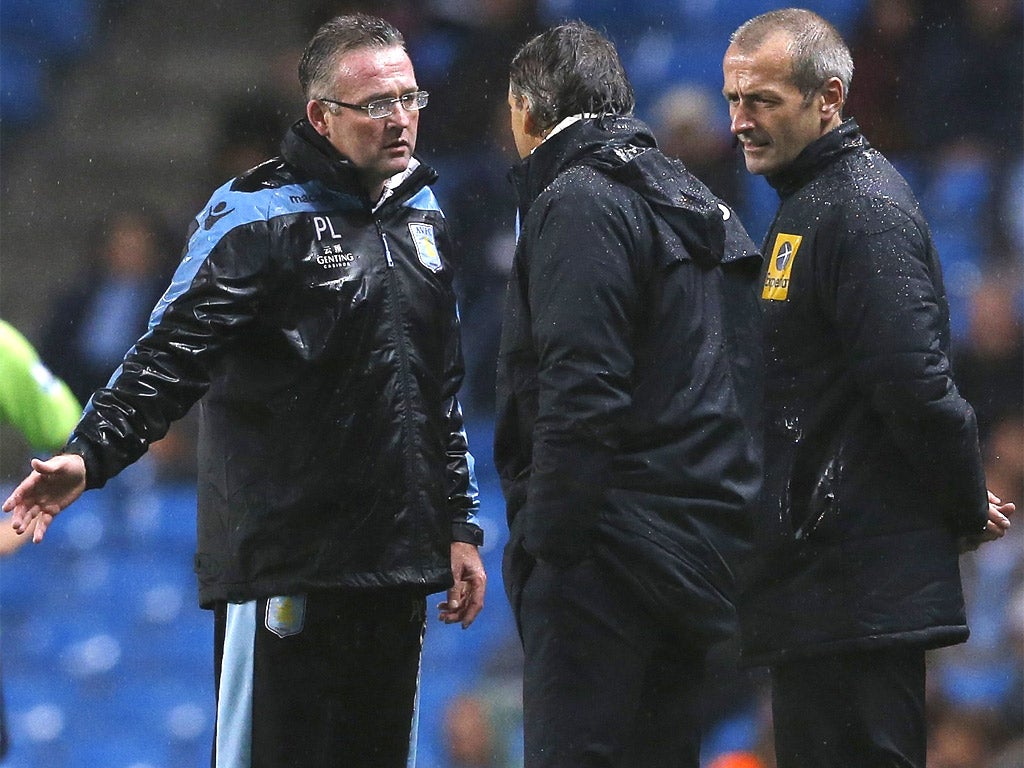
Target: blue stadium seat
[760,204]
[952,198]
[39,706]
[174,525]
[960,256]
[622,21]
[21,96]
[182,648]
[34,34]
[719,18]
[57,29]
[657,61]
[118,749]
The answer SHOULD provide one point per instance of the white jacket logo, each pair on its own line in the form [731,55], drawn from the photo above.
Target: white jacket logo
[334,256]
[426,248]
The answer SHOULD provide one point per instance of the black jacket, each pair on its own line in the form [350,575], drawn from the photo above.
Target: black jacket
[630,374]
[323,338]
[872,461]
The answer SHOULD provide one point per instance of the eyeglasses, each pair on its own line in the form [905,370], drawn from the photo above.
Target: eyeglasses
[380,108]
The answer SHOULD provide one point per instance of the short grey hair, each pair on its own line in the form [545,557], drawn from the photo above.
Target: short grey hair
[818,50]
[335,38]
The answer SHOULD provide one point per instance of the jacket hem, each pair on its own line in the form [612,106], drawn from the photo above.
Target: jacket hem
[933,637]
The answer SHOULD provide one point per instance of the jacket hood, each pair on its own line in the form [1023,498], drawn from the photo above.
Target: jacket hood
[816,155]
[624,149]
[303,147]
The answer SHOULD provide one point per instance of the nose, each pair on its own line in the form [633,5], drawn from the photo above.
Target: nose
[739,120]
[400,116]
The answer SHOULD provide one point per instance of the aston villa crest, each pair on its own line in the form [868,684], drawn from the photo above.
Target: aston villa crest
[426,247]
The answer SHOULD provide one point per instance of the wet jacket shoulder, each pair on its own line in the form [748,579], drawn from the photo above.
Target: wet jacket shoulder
[873,467]
[322,335]
[629,370]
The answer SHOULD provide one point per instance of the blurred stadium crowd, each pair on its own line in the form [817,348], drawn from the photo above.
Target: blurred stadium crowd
[106,657]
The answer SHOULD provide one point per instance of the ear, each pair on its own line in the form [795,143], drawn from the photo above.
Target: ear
[833,97]
[530,125]
[316,113]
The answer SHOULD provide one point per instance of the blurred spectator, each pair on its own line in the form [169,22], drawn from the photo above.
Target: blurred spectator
[93,323]
[1010,756]
[250,131]
[884,73]
[959,179]
[483,727]
[470,738]
[989,363]
[1003,216]
[475,82]
[481,205]
[107,307]
[982,682]
[970,69]
[962,737]
[687,126]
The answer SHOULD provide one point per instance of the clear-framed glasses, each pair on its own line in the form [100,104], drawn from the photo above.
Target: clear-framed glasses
[379,108]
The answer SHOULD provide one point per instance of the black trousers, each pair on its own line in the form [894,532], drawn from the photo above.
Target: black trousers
[604,684]
[315,681]
[856,710]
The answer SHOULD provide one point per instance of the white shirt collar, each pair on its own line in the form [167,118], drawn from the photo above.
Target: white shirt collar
[393,183]
[566,122]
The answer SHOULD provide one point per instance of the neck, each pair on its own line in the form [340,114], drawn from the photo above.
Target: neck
[374,187]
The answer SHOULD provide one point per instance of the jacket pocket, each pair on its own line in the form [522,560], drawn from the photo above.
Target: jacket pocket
[782,439]
[822,508]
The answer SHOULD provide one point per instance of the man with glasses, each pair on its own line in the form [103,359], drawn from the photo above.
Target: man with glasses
[874,477]
[314,314]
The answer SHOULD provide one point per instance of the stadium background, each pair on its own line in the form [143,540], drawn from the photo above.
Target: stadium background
[111,106]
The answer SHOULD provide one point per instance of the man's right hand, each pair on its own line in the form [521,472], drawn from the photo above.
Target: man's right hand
[51,487]
[999,513]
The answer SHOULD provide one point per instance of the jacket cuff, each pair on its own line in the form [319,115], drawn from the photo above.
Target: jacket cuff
[468,533]
[80,447]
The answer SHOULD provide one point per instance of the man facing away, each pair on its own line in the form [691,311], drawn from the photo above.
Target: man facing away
[874,479]
[313,313]
[628,435]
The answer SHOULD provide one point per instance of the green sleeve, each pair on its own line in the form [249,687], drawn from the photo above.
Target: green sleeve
[32,399]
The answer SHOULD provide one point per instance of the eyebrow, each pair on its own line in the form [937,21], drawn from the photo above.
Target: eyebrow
[382,96]
[752,93]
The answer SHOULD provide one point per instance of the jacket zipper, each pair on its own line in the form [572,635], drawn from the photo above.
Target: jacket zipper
[384,240]
[395,296]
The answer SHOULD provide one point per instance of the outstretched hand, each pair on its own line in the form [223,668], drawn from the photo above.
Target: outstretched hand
[51,487]
[466,596]
[999,513]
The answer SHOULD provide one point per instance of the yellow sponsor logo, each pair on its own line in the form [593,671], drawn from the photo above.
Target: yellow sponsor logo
[776,282]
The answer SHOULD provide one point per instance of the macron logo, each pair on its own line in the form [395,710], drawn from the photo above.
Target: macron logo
[216,214]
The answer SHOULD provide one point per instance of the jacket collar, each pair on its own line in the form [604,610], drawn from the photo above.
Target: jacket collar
[818,155]
[624,149]
[569,145]
[315,156]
